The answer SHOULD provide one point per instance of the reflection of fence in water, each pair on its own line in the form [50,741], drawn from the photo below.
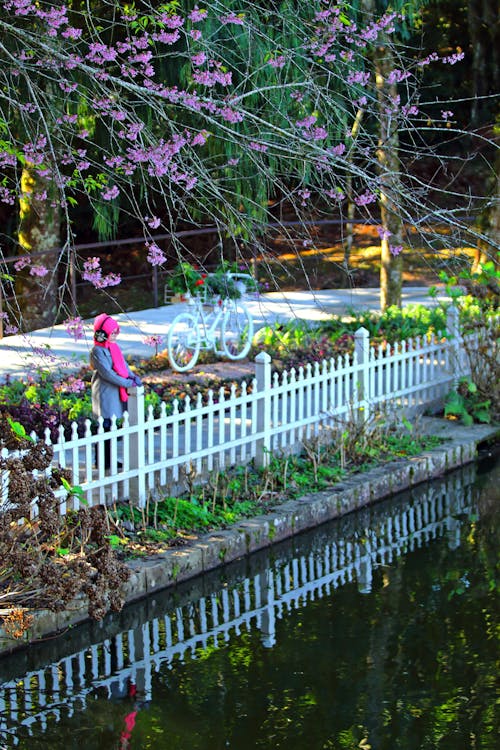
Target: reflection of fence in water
[257,601]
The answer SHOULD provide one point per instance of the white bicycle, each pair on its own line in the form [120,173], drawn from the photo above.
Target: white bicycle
[216,323]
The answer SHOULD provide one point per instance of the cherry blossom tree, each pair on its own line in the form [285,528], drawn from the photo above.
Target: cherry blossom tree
[222,114]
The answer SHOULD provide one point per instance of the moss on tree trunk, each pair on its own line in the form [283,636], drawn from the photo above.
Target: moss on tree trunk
[39,237]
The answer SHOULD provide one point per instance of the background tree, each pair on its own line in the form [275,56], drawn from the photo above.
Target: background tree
[391,219]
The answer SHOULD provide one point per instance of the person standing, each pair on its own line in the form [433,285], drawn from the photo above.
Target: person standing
[111,376]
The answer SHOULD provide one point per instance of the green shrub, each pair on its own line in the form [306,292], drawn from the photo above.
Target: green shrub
[467,404]
[296,342]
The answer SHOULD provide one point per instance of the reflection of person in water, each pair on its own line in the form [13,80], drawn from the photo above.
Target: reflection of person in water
[129,719]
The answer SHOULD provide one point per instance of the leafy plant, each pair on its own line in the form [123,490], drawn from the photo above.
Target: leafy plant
[47,401]
[188,279]
[394,324]
[476,293]
[227,267]
[466,403]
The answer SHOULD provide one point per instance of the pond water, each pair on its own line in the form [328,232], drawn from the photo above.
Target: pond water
[376,631]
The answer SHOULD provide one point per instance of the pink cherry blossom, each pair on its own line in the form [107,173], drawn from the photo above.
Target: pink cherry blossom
[277,62]
[110,193]
[232,18]
[396,249]
[92,273]
[338,150]
[383,233]
[155,256]
[197,15]
[22,263]
[453,59]
[39,271]
[365,199]
[75,327]
[307,122]
[257,146]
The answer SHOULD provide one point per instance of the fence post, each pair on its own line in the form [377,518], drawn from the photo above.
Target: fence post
[457,354]
[135,407]
[362,386]
[263,382]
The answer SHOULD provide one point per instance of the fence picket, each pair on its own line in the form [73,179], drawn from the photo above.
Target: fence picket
[175,441]
[281,402]
[163,444]
[199,431]
[292,436]
[308,398]
[316,395]
[244,426]
[187,434]
[263,413]
[221,426]
[232,425]
[210,430]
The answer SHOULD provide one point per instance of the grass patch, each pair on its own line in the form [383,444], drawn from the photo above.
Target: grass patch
[226,497]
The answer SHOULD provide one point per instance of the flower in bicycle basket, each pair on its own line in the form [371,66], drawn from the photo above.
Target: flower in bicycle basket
[198,286]
[184,279]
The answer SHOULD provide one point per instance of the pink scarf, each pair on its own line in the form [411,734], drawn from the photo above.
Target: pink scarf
[119,366]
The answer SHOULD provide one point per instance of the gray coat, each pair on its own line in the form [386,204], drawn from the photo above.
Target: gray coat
[106,401]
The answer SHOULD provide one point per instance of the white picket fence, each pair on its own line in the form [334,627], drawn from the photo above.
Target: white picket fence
[152,455]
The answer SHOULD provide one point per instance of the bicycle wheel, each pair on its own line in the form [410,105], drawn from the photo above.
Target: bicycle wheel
[183,342]
[236,330]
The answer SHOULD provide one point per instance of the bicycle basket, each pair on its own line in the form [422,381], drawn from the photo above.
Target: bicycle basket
[222,285]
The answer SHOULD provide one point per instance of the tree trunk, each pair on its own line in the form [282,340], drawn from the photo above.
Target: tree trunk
[391,271]
[484,48]
[39,232]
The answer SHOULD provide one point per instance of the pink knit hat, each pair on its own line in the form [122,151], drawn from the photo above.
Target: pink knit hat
[105,323]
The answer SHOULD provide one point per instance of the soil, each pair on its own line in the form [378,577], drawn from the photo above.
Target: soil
[210,374]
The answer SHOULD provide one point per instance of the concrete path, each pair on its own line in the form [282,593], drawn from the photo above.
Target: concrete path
[53,348]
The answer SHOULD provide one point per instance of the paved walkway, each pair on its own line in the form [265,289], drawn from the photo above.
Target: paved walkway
[53,348]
